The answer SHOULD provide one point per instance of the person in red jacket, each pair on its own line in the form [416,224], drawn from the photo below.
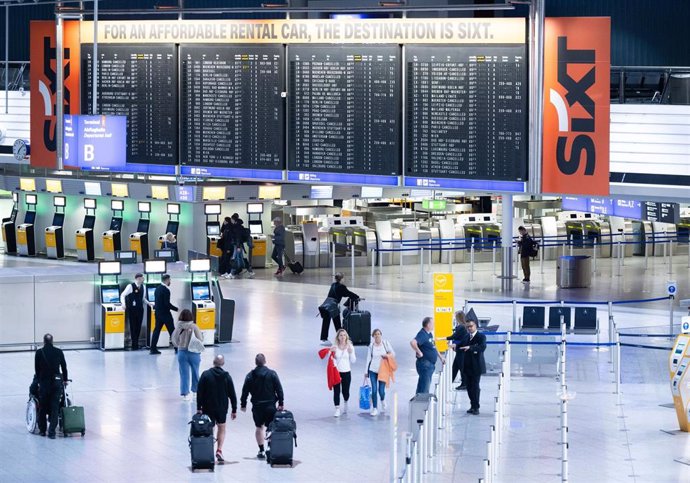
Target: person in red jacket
[332,374]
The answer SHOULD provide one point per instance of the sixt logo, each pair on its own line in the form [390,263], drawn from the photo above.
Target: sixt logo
[569,160]
[48,92]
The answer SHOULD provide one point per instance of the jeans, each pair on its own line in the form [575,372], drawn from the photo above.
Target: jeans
[277,256]
[238,261]
[188,362]
[346,379]
[374,378]
[425,369]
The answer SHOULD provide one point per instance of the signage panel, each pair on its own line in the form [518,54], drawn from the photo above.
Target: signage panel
[443,308]
[97,143]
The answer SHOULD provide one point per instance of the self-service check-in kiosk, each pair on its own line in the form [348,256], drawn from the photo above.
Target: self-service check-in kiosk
[112,239]
[203,307]
[256,230]
[212,212]
[173,224]
[55,244]
[679,372]
[157,268]
[112,311]
[9,228]
[26,240]
[84,235]
[139,240]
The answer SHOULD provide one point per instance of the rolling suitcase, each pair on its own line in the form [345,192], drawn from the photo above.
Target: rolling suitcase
[295,267]
[201,448]
[357,323]
[72,417]
[282,435]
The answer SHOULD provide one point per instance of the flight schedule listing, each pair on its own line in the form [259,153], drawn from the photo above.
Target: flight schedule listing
[344,110]
[140,82]
[466,112]
[231,106]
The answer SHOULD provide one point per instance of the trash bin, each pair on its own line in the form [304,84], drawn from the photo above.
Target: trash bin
[574,271]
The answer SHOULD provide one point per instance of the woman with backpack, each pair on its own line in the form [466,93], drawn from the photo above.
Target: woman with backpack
[330,308]
[380,352]
[344,353]
[188,351]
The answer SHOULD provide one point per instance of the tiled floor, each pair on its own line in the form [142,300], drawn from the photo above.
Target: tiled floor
[137,424]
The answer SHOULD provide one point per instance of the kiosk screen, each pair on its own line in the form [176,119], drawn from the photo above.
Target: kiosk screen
[143,226]
[213,230]
[110,295]
[116,224]
[30,217]
[255,229]
[58,219]
[151,294]
[200,291]
[89,221]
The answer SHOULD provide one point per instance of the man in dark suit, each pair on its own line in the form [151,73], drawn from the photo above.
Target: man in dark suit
[163,315]
[459,338]
[475,365]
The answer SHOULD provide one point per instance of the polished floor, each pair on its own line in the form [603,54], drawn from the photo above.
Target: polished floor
[137,423]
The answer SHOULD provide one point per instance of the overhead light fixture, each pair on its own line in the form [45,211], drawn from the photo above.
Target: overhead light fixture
[275,5]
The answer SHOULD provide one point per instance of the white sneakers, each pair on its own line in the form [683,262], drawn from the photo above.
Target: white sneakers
[186,397]
[337,412]
[374,412]
[345,408]
[384,406]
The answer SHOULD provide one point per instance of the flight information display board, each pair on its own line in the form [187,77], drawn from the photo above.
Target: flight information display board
[232,111]
[140,82]
[466,116]
[344,114]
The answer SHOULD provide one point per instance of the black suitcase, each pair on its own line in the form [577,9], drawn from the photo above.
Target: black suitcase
[280,448]
[357,323]
[203,456]
[295,267]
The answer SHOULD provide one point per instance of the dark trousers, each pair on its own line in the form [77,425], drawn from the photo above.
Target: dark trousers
[472,381]
[326,322]
[345,380]
[525,267]
[425,369]
[49,404]
[224,262]
[135,316]
[458,366]
[160,322]
[277,256]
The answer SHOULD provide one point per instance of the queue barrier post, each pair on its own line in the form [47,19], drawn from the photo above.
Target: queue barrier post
[618,363]
[646,252]
[594,258]
[670,317]
[541,258]
[493,257]
[393,477]
[421,264]
[472,261]
[428,267]
[564,243]
[332,259]
[670,257]
[619,253]
[400,265]
[515,327]
[352,262]
[373,265]
[571,249]
[409,457]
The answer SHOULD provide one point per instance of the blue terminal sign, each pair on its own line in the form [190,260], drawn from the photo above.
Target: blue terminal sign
[604,206]
[97,143]
[263,174]
[467,184]
[346,178]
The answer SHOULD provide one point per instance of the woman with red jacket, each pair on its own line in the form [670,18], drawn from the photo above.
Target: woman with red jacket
[344,355]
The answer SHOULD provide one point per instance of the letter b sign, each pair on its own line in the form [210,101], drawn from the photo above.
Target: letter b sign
[89,152]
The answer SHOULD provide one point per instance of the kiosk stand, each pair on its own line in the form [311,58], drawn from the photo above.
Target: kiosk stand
[203,307]
[256,229]
[26,241]
[154,267]
[679,371]
[112,311]
[173,224]
[112,240]
[55,246]
[8,227]
[85,249]
[139,240]
[213,234]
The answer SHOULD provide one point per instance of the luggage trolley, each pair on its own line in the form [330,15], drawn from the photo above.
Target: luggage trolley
[203,306]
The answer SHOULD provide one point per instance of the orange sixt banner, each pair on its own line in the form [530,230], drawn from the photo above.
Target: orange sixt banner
[43,79]
[577,65]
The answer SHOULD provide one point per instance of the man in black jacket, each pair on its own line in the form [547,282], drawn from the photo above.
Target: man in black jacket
[459,338]
[133,298]
[214,389]
[163,314]
[48,362]
[264,386]
[475,365]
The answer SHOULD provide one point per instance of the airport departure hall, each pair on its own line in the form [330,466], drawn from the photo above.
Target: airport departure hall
[354,241]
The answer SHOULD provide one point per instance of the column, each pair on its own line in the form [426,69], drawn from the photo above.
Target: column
[507,242]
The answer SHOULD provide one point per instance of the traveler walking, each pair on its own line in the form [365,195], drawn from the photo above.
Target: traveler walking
[527,248]
[475,365]
[459,338]
[187,360]
[344,353]
[278,245]
[264,386]
[51,374]
[425,348]
[380,352]
[163,315]
[330,308]
[215,388]
[133,298]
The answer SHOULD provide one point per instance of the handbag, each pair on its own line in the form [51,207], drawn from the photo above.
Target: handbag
[365,395]
[195,345]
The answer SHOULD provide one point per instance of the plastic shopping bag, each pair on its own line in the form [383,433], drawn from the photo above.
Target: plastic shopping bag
[365,396]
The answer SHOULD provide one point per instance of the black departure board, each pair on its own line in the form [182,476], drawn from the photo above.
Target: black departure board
[140,82]
[466,112]
[344,111]
[662,212]
[231,106]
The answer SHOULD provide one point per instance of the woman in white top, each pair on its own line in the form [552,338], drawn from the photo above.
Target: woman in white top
[379,349]
[344,353]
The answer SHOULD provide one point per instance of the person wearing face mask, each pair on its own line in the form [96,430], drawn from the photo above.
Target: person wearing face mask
[133,298]
[475,365]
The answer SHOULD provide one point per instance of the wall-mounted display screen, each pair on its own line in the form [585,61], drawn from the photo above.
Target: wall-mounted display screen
[54,186]
[59,201]
[144,207]
[89,203]
[31,199]
[253,208]
[212,209]
[173,208]
[139,82]
[92,188]
[232,110]
[109,268]
[120,190]
[155,266]
[344,109]
[27,184]
[200,265]
[321,193]
[371,192]
[160,192]
[117,205]
[213,193]
[272,192]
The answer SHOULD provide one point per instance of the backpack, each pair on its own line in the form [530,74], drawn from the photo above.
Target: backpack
[284,422]
[534,250]
[201,425]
